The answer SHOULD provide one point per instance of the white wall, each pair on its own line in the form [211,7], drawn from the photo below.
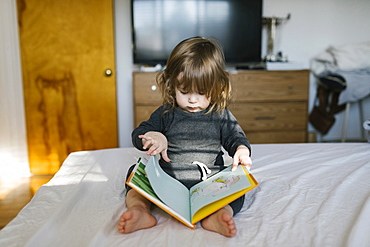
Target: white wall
[124,67]
[313,26]
[13,142]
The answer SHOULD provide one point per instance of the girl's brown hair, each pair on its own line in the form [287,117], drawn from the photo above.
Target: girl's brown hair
[196,65]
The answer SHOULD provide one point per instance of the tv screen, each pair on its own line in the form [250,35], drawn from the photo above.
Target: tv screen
[159,25]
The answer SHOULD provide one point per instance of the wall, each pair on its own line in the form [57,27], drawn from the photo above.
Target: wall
[13,143]
[124,69]
[313,26]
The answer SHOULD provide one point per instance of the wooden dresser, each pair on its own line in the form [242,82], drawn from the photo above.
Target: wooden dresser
[271,106]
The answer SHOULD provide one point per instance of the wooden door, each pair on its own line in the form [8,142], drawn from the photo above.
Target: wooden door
[67,53]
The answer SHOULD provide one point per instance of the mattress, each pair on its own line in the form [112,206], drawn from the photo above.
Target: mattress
[309,195]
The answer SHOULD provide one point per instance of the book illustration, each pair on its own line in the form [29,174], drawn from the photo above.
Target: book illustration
[141,180]
[189,206]
[218,185]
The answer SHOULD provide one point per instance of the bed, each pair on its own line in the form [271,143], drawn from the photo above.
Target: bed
[309,195]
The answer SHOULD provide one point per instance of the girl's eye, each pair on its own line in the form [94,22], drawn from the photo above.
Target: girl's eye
[201,93]
[183,92]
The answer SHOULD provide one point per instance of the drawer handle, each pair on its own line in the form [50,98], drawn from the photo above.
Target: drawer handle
[153,87]
[265,118]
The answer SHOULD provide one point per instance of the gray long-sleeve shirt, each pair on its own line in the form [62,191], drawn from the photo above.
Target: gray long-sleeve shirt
[193,137]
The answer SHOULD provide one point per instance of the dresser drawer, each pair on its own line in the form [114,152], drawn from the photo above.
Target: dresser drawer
[142,113]
[146,91]
[270,85]
[271,116]
[270,106]
[260,137]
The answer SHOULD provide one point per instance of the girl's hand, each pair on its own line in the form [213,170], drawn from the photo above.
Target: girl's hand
[156,143]
[242,156]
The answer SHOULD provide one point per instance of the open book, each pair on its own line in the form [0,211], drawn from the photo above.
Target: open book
[189,206]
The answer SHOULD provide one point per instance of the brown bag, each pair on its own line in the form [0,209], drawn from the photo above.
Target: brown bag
[321,119]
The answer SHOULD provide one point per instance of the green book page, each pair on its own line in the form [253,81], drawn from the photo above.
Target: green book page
[141,180]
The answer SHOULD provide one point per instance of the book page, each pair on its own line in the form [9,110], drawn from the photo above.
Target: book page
[140,179]
[168,189]
[218,186]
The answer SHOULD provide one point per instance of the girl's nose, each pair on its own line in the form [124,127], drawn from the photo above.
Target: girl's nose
[192,98]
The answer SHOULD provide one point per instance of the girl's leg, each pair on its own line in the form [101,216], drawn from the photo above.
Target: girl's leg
[137,216]
[237,204]
[221,221]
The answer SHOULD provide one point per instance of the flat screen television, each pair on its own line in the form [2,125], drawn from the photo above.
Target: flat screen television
[159,25]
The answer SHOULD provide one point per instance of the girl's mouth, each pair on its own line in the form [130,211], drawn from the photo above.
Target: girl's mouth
[192,108]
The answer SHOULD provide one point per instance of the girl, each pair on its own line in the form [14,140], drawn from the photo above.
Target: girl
[189,129]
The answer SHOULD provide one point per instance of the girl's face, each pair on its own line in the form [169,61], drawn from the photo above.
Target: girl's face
[191,102]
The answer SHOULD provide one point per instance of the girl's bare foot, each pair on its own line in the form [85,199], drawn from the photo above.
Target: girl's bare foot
[134,219]
[221,222]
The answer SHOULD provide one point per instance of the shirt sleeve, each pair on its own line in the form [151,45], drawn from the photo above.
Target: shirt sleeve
[154,123]
[232,135]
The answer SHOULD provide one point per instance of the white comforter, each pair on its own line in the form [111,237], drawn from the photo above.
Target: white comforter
[309,195]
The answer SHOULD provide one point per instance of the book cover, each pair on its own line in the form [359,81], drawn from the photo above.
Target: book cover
[189,206]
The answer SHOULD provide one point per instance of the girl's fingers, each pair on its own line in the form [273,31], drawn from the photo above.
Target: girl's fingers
[234,167]
[155,145]
[164,156]
[148,141]
[242,160]
[235,163]
[247,162]
[152,150]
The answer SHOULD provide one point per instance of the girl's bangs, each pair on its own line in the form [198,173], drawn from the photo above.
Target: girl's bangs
[197,80]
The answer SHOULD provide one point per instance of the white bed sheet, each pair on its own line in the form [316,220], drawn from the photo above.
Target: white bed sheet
[309,195]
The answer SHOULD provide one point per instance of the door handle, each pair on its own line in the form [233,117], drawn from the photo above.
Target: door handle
[108,72]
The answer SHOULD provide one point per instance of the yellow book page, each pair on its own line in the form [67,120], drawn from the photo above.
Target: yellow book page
[213,207]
